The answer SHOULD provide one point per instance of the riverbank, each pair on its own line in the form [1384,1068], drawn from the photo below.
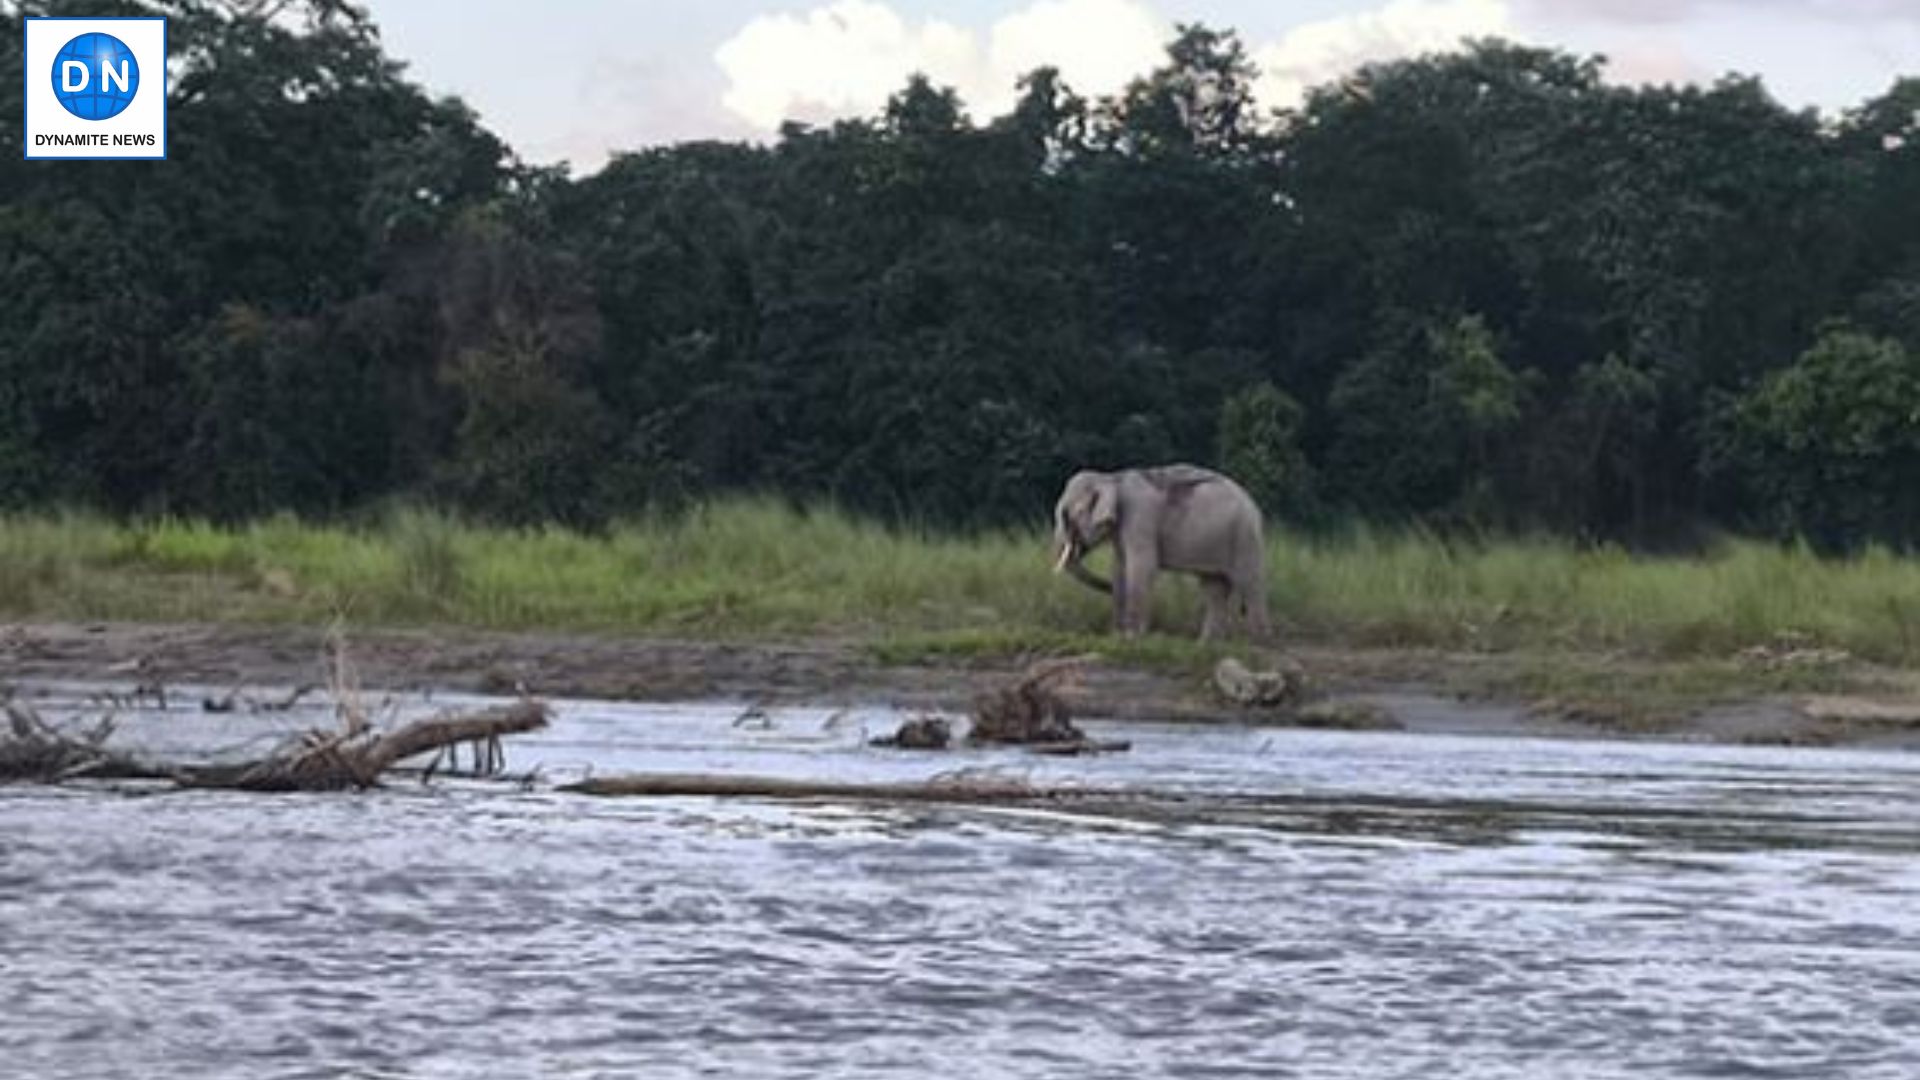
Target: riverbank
[757,600]
[1781,698]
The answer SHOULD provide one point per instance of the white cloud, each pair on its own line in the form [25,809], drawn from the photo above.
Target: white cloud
[1651,12]
[1320,52]
[1655,62]
[847,57]
[1098,45]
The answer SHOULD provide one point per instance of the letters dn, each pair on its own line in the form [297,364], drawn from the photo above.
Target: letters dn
[96,88]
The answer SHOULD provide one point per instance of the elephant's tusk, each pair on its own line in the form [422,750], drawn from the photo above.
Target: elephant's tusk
[1066,556]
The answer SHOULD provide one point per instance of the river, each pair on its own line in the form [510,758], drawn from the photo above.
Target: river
[1287,903]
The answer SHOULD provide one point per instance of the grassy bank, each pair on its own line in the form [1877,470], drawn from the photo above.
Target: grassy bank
[750,569]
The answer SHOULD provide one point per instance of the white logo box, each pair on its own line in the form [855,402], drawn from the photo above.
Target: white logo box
[138,132]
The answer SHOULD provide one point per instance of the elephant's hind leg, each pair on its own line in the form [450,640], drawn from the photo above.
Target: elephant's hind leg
[1253,602]
[1218,592]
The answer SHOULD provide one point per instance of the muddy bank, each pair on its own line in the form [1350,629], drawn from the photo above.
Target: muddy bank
[549,665]
[1414,691]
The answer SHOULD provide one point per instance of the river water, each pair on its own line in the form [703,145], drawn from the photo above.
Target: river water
[1289,904]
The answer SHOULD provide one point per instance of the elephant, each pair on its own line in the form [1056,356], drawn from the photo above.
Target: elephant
[1169,517]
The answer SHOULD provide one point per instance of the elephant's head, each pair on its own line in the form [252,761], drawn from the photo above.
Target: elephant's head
[1085,517]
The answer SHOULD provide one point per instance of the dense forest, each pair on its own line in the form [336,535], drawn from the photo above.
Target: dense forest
[1483,289]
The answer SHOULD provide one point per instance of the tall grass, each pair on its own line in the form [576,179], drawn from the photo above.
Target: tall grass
[1409,588]
[759,568]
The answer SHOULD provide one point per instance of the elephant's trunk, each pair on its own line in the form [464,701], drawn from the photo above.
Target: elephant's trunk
[1069,562]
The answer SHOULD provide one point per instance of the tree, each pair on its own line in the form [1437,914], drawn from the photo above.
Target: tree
[1199,102]
[292,140]
[1422,418]
[1259,446]
[1478,398]
[1496,289]
[1830,447]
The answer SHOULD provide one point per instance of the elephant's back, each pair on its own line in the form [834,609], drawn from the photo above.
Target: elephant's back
[1207,526]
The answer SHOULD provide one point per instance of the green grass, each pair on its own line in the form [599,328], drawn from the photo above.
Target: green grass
[753,568]
[1410,589]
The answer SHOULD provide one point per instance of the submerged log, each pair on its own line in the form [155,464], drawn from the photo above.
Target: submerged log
[937,790]
[1080,747]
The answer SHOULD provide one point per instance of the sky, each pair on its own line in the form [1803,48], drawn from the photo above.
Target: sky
[578,80]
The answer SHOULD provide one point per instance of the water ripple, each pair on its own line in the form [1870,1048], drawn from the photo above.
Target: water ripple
[1339,906]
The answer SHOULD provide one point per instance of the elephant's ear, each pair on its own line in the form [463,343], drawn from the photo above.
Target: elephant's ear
[1105,509]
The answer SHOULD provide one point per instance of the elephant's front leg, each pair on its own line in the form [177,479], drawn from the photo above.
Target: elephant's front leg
[1134,592]
[1119,591]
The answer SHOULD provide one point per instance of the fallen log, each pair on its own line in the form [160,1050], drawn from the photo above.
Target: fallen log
[35,751]
[1080,747]
[357,756]
[966,790]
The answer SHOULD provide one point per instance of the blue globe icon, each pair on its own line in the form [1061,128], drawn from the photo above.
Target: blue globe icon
[95,76]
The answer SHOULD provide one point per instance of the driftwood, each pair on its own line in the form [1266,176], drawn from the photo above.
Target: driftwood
[1080,747]
[1033,709]
[352,756]
[33,750]
[357,756]
[1031,712]
[965,789]
[919,733]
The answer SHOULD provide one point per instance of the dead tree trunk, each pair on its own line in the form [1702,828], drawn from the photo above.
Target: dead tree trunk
[35,751]
[355,757]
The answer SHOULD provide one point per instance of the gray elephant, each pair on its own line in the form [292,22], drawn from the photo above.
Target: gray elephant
[1171,517]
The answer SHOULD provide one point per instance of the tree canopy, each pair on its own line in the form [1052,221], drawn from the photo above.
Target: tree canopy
[1484,287]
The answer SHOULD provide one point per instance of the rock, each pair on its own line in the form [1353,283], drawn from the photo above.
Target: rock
[279,581]
[1348,715]
[1243,686]
[1793,652]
